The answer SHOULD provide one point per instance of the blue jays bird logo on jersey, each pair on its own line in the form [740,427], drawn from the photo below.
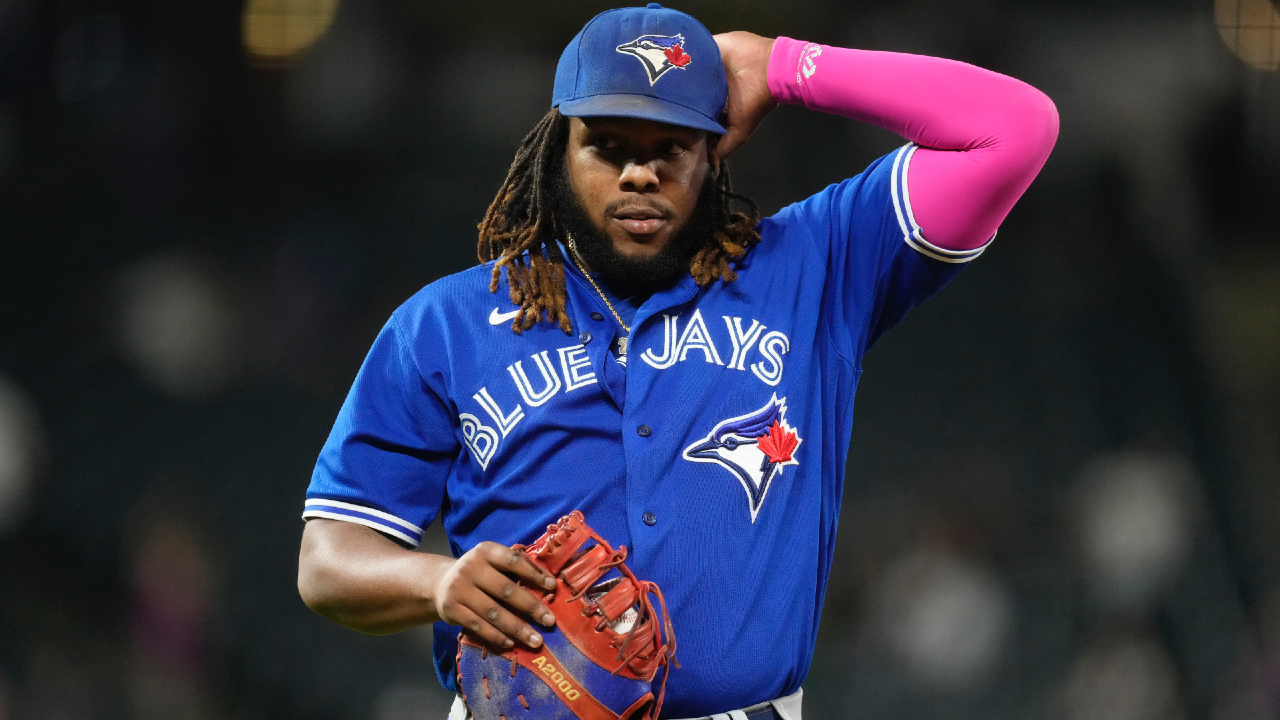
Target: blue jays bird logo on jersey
[754,447]
[658,53]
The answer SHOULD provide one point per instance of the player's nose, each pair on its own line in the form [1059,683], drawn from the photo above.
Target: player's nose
[638,178]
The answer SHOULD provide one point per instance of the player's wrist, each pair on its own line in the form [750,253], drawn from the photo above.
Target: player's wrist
[786,69]
[430,585]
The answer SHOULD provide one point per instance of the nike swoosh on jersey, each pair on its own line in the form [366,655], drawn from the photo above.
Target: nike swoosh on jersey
[497,318]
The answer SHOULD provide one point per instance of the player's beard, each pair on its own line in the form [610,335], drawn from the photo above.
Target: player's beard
[627,276]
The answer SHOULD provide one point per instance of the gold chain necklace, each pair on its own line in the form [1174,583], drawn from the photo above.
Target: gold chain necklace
[577,262]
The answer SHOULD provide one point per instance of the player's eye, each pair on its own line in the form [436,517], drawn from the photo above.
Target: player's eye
[673,147]
[605,142]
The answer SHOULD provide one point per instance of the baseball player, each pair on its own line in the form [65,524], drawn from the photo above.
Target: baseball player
[640,345]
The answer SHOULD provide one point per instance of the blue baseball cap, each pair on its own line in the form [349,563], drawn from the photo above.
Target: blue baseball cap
[651,63]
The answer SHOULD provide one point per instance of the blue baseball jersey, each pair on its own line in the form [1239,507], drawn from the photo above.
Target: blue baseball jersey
[716,454]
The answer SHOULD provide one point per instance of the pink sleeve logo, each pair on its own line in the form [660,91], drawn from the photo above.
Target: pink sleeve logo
[808,62]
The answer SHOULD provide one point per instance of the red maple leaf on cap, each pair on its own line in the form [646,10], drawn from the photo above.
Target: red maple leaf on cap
[675,54]
[778,443]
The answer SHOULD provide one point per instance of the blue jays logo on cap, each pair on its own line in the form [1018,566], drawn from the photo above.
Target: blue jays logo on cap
[754,447]
[658,53]
[612,66]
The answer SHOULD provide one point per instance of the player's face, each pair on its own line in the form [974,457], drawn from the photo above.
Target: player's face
[637,181]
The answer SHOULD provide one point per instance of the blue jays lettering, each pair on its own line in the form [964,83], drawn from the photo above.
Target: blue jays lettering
[568,368]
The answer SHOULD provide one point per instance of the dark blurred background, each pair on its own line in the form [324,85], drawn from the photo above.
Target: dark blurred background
[1064,486]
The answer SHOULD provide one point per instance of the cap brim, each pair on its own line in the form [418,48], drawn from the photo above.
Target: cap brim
[641,107]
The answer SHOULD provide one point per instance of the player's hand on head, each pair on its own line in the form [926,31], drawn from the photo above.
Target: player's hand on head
[479,593]
[746,63]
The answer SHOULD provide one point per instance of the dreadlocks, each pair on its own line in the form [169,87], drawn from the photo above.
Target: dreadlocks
[522,219]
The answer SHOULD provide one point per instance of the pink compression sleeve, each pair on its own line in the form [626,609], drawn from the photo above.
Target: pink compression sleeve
[982,136]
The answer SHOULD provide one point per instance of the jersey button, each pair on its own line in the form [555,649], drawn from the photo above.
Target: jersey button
[644,431]
[585,337]
[597,316]
[649,519]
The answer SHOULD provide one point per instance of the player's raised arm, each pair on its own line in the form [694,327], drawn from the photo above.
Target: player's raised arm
[982,136]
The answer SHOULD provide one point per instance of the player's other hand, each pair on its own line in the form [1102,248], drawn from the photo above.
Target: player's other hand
[478,593]
[746,63]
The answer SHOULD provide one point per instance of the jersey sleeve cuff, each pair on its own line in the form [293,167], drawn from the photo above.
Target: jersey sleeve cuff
[911,232]
[363,515]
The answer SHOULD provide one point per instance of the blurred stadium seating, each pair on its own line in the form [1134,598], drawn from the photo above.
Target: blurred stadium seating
[1064,483]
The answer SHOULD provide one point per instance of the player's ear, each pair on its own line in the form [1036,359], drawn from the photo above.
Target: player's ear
[713,157]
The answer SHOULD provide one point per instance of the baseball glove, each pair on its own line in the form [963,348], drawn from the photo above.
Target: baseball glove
[598,662]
